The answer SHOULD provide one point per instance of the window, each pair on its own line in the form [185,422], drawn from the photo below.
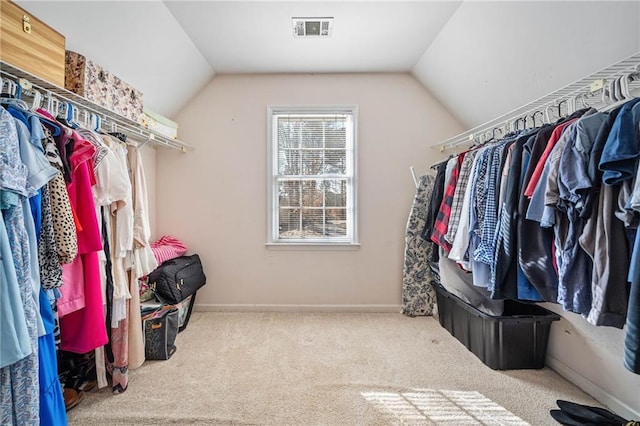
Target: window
[312,176]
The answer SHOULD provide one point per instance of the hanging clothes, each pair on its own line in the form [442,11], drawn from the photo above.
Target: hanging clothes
[434,205]
[505,269]
[81,312]
[551,214]
[112,196]
[441,225]
[418,295]
[58,297]
[143,259]
[19,384]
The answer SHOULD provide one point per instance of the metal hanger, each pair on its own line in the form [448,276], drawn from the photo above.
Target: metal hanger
[562,101]
[583,98]
[547,113]
[413,174]
[541,116]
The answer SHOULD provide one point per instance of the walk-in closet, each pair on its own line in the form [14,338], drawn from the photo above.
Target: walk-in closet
[225,212]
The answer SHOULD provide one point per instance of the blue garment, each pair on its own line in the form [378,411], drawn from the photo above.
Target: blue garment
[19,114]
[544,202]
[536,209]
[504,265]
[34,267]
[14,335]
[526,291]
[545,207]
[574,173]
[35,127]
[19,384]
[632,328]
[35,203]
[481,271]
[576,267]
[40,171]
[593,171]
[485,250]
[534,242]
[621,151]
[13,173]
[52,409]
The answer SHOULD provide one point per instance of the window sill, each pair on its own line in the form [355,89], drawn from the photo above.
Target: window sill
[313,246]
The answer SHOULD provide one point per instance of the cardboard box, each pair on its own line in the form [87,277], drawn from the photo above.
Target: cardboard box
[91,81]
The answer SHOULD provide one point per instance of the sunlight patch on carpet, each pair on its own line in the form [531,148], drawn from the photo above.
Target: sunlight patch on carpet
[442,407]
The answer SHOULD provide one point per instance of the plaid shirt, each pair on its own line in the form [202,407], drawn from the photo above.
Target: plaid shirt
[442,220]
[486,249]
[458,195]
[479,195]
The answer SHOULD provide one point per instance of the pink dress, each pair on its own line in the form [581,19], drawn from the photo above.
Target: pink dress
[83,329]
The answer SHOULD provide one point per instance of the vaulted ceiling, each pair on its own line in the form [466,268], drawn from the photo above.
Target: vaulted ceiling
[480,59]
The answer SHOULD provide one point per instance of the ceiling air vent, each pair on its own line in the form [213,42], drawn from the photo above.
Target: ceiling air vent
[312,27]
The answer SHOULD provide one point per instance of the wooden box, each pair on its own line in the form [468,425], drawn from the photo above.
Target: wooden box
[30,44]
[93,82]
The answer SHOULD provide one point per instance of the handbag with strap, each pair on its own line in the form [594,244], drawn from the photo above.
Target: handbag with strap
[177,279]
[160,331]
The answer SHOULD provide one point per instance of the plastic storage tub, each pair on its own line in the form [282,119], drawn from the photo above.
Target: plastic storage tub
[516,340]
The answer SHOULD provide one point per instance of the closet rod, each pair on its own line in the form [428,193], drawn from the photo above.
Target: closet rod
[587,87]
[133,129]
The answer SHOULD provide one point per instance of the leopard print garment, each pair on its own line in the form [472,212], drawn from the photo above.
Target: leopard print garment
[66,237]
[50,268]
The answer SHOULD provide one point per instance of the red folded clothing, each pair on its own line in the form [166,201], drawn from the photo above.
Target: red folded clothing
[167,248]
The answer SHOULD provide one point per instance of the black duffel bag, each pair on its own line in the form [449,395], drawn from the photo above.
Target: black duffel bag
[177,279]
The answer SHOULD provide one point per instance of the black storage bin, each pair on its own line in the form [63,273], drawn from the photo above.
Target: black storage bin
[516,340]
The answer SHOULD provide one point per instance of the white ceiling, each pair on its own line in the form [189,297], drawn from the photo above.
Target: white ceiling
[493,57]
[480,59]
[257,37]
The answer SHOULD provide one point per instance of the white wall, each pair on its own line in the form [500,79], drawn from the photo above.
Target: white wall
[149,161]
[591,357]
[214,198]
[492,57]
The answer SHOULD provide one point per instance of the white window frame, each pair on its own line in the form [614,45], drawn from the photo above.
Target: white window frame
[273,241]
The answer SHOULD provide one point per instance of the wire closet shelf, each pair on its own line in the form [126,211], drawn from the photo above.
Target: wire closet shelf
[117,122]
[588,91]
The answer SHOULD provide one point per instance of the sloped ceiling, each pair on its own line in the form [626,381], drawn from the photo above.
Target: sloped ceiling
[493,57]
[480,59]
[139,41]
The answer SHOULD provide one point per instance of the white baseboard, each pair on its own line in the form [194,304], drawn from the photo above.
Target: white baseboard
[297,308]
[592,389]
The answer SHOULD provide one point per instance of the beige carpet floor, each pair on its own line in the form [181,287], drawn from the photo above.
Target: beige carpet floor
[325,369]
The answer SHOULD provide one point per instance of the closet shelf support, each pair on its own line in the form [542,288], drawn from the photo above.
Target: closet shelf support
[590,87]
[57,96]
